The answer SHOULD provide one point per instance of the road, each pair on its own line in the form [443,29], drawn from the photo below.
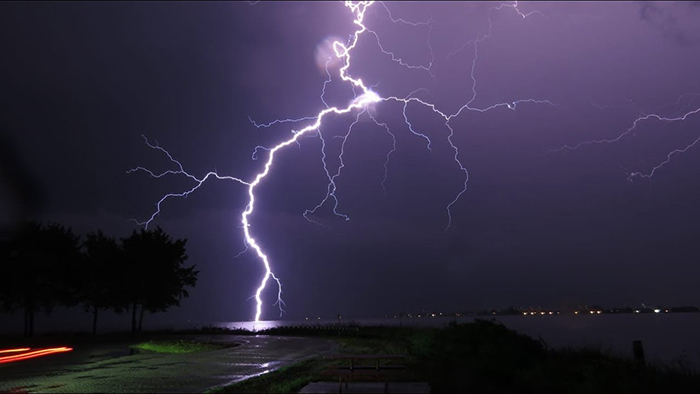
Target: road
[111,368]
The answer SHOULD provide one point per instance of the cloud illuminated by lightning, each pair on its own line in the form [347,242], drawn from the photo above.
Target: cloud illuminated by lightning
[365,98]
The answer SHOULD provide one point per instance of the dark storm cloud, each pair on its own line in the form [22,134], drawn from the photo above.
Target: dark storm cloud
[678,21]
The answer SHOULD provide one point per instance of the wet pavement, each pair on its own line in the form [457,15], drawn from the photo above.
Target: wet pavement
[112,368]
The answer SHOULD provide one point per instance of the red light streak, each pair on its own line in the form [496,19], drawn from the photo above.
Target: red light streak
[30,354]
[21,349]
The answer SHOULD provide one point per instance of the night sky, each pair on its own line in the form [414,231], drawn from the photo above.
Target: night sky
[81,82]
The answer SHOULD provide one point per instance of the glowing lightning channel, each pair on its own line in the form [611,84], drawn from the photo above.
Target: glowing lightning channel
[663,163]
[648,117]
[388,154]
[514,6]
[279,121]
[332,187]
[182,171]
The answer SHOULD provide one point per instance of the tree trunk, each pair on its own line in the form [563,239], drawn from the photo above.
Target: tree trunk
[133,319]
[141,319]
[94,319]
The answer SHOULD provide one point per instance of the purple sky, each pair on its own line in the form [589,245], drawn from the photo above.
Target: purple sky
[81,82]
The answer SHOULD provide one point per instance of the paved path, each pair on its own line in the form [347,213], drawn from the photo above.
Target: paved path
[110,368]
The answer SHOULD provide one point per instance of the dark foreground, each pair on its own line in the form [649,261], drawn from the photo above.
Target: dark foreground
[479,356]
[483,356]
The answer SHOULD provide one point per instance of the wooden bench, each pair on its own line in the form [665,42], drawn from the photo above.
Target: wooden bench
[360,368]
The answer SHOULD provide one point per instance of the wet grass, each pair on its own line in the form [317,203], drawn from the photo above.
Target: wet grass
[176,347]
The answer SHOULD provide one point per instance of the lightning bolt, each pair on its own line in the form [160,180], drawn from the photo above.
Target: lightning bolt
[332,187]
[199,181]
[365,97]
[397,59]
[645,118]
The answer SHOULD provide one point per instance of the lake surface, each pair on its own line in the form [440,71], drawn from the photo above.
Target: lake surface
[667,337]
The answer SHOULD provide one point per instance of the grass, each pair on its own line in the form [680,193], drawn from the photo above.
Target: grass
[176,347]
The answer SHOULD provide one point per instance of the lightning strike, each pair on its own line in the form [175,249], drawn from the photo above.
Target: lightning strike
[629,131]
[365,97]
[520,13]
[199,181]
[388,154]
[663,163]
[332,187]
[280,121]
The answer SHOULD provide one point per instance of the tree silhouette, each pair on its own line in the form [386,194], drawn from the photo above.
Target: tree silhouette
[102,276]
[42,266]
[37,270]
[157,277]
